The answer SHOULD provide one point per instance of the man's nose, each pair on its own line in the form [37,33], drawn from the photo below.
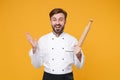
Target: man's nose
[58,22]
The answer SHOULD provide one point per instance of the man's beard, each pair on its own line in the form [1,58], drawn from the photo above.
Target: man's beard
[58,30]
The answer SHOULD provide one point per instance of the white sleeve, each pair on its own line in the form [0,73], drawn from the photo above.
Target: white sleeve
[77,63]
[37,57]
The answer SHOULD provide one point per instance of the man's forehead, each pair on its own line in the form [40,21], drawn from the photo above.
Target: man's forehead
[58,15]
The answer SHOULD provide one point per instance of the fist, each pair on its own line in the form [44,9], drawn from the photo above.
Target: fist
[77,49]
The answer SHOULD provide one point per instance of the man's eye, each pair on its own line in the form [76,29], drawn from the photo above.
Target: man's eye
[53,19]
[61,19]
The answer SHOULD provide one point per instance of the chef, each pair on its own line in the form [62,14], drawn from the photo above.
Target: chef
[57,50]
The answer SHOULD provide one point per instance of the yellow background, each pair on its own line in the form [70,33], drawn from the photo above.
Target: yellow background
[101,47]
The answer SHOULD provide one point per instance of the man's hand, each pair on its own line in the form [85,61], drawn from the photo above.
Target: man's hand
[77,51]
[33,42]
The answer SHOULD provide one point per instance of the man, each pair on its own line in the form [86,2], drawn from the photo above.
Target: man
[56,51]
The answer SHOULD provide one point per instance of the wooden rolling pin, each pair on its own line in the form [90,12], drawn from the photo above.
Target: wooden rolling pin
[84,34]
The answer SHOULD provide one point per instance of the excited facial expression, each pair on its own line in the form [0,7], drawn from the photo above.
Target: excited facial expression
[58,22]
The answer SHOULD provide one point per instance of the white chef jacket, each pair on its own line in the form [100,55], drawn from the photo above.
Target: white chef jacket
[56,54]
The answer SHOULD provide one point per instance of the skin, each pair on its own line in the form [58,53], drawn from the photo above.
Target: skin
[58,22]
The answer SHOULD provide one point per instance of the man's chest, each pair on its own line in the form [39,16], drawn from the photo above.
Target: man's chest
[58,48]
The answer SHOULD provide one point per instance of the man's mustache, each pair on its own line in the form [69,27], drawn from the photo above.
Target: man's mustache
[58,25]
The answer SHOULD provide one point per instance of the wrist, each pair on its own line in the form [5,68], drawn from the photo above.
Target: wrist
[79,55]
[34,50]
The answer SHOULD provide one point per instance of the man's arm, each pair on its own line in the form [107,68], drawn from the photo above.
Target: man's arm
[36,57]
[79,56]
[77,51]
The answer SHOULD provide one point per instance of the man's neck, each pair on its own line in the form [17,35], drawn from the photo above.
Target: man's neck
[57,34]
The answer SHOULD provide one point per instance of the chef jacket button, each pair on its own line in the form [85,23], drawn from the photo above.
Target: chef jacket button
[52,69]
[63,38]
[62,58]
[52,48]
[62,69]
[52,38]
[62,48]
[53,59]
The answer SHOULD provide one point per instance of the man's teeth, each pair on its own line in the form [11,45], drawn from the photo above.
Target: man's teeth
[57,26]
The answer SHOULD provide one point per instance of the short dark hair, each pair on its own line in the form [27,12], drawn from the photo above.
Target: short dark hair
[56,11]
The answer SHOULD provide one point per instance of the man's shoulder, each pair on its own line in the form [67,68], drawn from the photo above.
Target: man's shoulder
[70,36]
[44,37]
